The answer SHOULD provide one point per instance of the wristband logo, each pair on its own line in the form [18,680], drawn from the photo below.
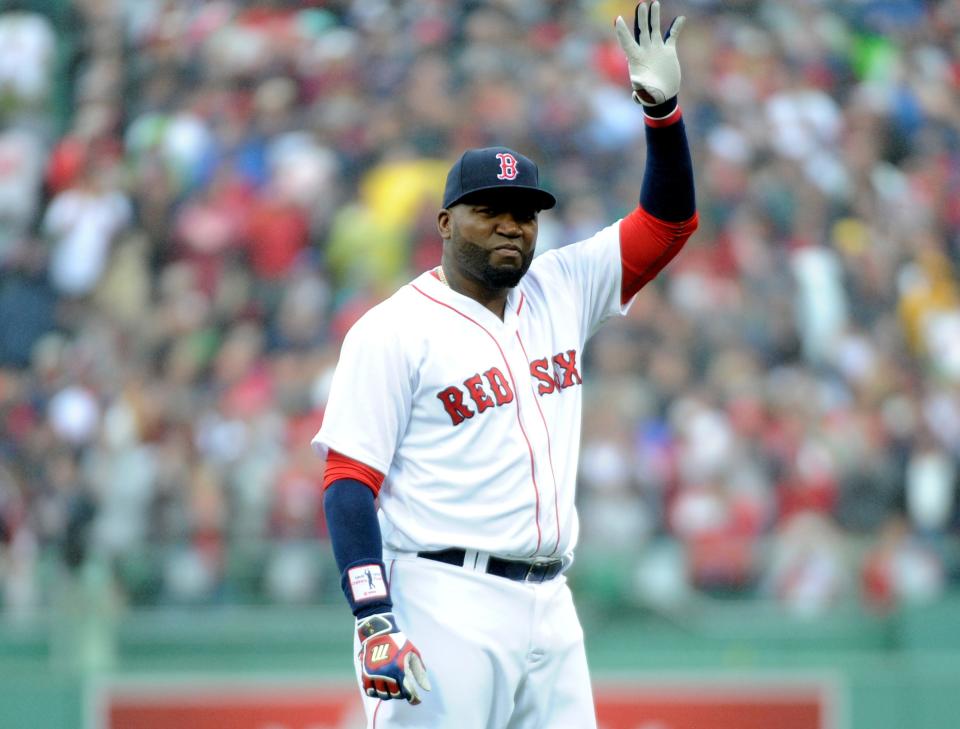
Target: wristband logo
[508,167]
[366,582]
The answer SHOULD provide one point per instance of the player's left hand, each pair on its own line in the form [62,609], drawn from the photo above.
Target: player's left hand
[391,666]
[654,66]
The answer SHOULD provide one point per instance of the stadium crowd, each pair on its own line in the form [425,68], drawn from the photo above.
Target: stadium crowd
[180,256]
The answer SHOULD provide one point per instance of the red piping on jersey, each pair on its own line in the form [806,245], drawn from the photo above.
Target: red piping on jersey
[520,305]
[341,466]
[647,244]
[536,400]
[533,470]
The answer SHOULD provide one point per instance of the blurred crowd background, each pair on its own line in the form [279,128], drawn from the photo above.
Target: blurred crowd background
[197,199]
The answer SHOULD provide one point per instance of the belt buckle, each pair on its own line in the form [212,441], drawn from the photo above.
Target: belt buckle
[531,569]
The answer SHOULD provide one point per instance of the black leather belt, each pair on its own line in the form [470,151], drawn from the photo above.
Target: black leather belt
[512,569]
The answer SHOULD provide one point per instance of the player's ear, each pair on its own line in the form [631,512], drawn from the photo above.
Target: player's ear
[444,225]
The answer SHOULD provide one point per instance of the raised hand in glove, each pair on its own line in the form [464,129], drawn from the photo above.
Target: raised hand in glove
[391,666]
[653,62]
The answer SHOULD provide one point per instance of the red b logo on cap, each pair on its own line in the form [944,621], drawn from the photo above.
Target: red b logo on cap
[508,167]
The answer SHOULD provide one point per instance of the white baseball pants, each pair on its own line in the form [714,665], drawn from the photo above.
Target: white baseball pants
[500,654]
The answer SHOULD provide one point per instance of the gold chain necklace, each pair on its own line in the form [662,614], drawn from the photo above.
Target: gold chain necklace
[442,276]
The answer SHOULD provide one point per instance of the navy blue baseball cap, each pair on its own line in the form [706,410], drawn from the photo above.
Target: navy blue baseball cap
[495,168]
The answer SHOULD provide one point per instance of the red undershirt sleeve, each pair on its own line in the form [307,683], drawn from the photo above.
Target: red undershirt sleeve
[647,244]
[341,466]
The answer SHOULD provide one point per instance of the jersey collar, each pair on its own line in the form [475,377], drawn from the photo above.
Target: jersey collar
[431,285]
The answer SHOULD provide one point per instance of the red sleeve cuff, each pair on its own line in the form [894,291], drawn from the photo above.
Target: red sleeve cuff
[672,118]
[341,466]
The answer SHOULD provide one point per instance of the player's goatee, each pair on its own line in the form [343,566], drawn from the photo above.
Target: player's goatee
[475,261]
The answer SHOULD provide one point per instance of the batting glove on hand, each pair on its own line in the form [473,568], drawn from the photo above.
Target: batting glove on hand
[654,66]
[391,666]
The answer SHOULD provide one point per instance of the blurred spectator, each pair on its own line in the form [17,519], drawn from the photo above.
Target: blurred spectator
[931,486]
[27,305]
[821,306]
[900,569]
[27,45]
[21,172]
[81,224]
[809,573]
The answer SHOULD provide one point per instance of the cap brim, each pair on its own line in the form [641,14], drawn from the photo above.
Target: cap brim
[542,199]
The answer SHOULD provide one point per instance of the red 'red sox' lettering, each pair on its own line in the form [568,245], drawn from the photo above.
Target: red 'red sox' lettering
[492,389]
[566,369]
[452,399]
[474,386]
[498,383]
[538,368]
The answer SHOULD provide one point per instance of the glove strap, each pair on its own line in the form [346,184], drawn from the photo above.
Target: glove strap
[375,625]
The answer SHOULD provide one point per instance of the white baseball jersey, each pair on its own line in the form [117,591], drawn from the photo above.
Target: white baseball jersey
[474,421]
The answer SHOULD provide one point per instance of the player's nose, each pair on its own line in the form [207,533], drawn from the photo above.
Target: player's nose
[509,226]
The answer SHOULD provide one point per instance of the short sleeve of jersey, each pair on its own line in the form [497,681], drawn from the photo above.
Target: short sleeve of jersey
[370,396]
[590,272]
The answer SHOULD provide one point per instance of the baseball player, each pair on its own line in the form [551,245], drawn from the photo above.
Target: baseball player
[457,403]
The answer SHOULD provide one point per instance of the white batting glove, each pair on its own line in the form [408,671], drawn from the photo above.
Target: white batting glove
[391,667]
[653,62]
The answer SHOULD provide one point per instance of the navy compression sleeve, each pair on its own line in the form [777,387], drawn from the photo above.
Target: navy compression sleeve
[655,232]
[667,192]
[355,536]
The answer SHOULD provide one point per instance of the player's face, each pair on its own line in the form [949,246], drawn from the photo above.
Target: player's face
[492,239]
